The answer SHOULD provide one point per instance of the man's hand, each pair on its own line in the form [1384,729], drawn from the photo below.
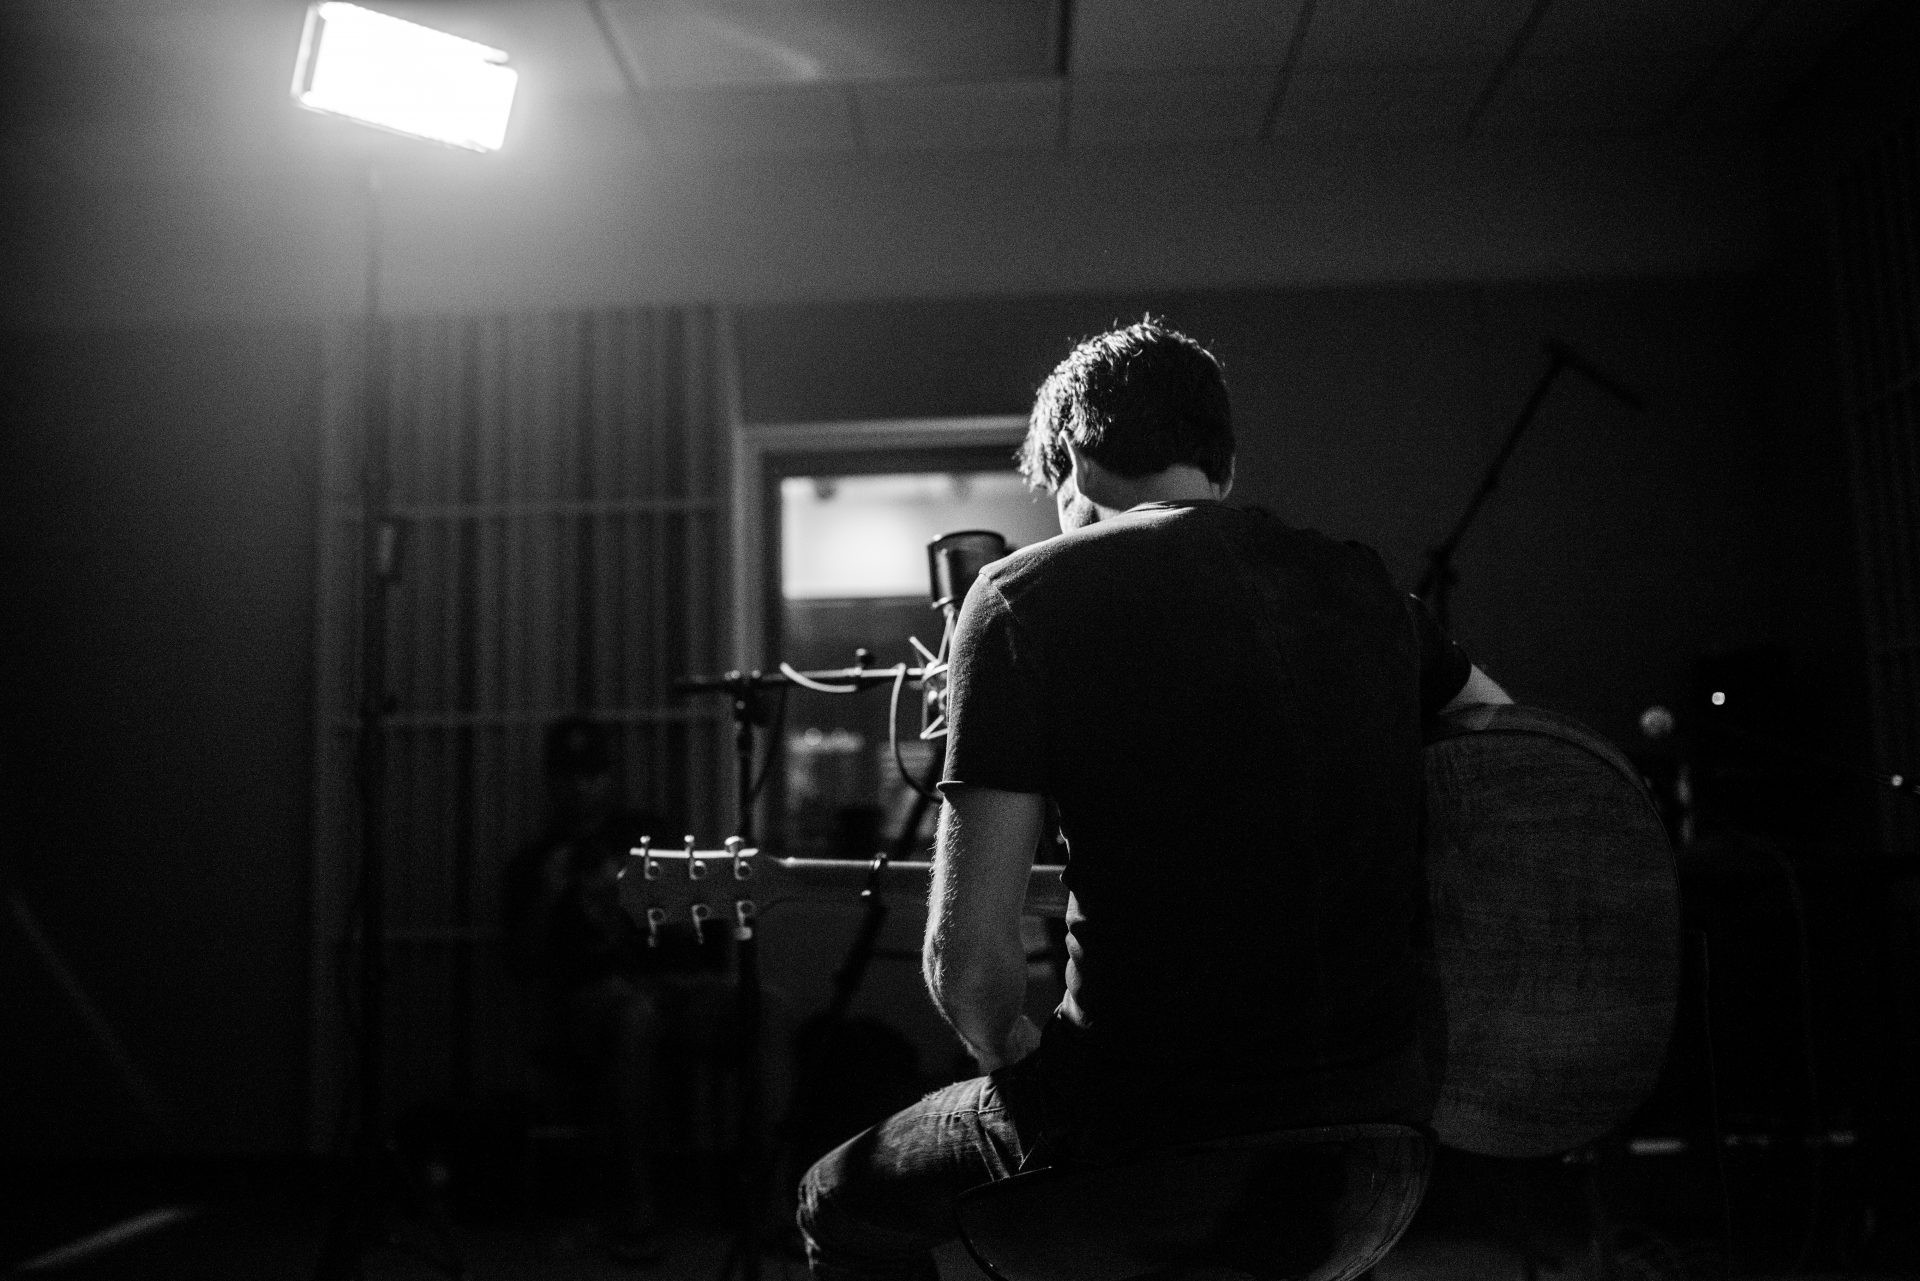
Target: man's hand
[1479,691]
[974,959]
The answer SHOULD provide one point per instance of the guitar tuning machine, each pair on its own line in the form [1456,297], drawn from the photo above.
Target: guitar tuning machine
[742,869]
[696,867]
[744,913]
[656,917]
[701,914]
[644,852]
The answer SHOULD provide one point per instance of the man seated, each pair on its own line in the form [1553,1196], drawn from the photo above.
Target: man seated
[604,995]
[1227,712]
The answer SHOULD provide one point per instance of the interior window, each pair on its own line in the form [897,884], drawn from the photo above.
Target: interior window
[854,575]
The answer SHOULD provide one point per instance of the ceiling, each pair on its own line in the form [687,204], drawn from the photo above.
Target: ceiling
[93,83]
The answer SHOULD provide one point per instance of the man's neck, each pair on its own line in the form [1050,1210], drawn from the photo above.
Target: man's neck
[1174,485]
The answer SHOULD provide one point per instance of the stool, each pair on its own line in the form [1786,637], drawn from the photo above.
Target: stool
[1293,1205]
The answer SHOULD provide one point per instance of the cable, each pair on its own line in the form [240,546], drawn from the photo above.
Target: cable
[893,732]
[805,681]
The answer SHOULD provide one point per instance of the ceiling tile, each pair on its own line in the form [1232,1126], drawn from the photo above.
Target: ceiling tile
[1221,106]
[1559,95]
[1752,86]
[1017,115]
[752,119]
[557,48]
[1748,94]
[1641,28]
[1124,35]
[1412,32]
[714,42]
[1805,29]
[1398,101]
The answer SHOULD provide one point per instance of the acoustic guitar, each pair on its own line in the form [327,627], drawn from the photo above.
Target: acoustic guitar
[1554,925]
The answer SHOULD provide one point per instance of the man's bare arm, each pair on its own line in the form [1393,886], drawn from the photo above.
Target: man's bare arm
[973,959]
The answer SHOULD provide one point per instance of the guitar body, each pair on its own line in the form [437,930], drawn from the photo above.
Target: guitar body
[1555,933]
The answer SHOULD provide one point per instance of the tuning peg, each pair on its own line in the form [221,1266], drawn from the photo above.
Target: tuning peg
[701,914]
[644,852]
[743,917]
[656,917]
[696,868]
[742,869]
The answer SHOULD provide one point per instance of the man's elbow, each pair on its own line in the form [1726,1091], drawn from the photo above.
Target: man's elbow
[969,978]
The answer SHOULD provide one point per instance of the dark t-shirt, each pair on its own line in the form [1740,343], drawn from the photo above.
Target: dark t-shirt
[1226,711]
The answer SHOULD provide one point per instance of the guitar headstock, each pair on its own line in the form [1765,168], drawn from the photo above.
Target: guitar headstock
[691,886]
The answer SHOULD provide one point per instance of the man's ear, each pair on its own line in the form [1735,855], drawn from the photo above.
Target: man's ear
[1078,460]
[1094,482]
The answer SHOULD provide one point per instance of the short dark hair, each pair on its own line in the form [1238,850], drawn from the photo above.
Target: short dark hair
[1137,401]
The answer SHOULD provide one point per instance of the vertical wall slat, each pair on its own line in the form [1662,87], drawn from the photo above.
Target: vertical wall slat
[545,465]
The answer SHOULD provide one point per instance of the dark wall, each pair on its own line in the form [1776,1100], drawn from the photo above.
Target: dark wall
[1619,547]
[157,506]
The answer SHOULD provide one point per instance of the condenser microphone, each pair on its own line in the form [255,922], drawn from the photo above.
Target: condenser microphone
[955,560]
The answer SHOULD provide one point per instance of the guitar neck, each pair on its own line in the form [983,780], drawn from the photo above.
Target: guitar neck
[729,887]
[844,880]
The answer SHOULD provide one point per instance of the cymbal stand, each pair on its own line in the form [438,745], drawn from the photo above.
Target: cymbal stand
[1436,584]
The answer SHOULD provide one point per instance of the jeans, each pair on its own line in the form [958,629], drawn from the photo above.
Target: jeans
[874,1208]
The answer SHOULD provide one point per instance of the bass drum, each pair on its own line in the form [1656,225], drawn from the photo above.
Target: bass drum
[1555,933]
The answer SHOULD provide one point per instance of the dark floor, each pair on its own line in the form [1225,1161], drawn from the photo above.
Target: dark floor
[236,1222]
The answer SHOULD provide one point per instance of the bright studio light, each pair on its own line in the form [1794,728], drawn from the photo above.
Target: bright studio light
[403,77]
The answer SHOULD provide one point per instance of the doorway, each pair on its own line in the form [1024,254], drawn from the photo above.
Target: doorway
[844,551]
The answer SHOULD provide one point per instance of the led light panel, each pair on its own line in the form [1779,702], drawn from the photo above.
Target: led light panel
[403,77]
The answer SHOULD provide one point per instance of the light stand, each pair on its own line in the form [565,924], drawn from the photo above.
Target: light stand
[749,710]
[358,1219]
[410,80]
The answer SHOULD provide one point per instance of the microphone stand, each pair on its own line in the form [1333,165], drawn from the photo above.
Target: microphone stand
[745,690]
[1436,584]
[847,980]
